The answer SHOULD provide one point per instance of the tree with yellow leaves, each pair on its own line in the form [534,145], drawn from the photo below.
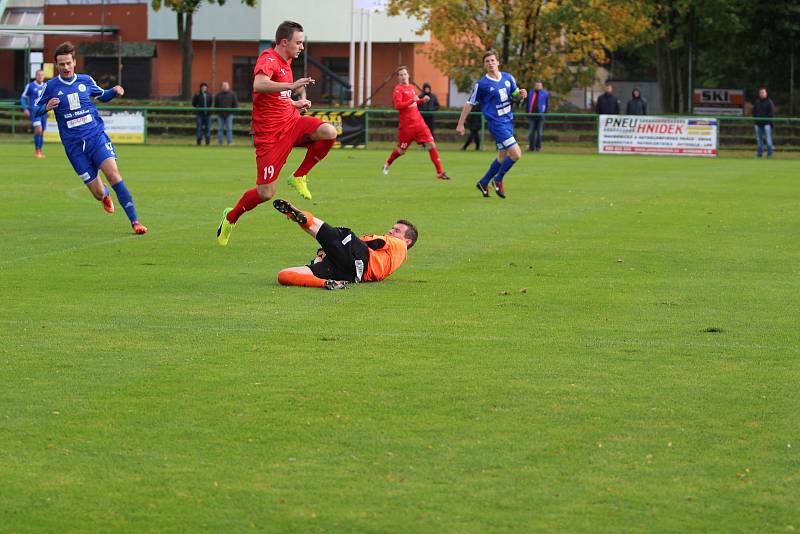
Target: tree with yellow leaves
[561,42]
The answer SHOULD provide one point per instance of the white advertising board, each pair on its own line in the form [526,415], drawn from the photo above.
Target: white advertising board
[121,126]
[661,136]
[717,102]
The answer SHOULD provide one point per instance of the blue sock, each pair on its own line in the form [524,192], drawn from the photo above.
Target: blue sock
[493,168]
[125,200]
[504,168]
[37,141]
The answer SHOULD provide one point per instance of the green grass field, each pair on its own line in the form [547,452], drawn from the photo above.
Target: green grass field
[612,348]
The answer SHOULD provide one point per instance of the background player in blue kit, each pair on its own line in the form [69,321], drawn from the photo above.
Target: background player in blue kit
[82,132]
[495,92]
[29,96]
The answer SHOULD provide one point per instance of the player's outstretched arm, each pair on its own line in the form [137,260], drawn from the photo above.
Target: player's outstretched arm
[110,94]
[464,113]
[263,84]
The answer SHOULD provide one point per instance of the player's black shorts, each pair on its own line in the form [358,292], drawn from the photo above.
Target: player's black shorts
[346,256]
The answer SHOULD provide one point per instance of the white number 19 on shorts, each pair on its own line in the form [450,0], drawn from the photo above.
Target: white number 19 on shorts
[269,171]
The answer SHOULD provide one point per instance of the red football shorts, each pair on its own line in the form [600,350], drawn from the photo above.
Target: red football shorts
[272,151]
[418,132]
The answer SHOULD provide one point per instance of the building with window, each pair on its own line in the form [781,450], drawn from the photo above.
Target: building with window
[129,41]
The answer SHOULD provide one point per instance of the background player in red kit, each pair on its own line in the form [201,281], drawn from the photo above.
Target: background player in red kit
[278,126]
[410,126]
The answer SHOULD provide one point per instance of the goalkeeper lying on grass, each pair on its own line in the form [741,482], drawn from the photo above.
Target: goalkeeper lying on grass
[345,257]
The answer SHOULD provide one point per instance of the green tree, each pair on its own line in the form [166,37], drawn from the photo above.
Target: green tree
[723,43]
[683,29]
[185,10]
[560,42]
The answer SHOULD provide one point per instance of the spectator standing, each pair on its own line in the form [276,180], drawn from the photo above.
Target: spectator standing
[538,102]
[607,103]
[474,124]
[765,109]
[202,100]
[430,105]
[636,105]
[225,99]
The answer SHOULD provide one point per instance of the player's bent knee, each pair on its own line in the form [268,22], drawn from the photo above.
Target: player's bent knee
[266,192]
[327,131]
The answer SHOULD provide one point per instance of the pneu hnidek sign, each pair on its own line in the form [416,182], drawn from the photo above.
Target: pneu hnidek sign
[661,136]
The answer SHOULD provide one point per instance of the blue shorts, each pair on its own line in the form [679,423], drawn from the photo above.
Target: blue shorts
[39,121]
[503,134]
[87,155]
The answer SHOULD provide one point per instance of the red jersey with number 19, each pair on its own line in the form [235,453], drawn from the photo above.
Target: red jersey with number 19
[273,113]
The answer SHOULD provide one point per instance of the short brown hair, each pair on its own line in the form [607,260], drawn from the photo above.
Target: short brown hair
[286,31]
[411,231]
[402,67]
[64,49]
[490,52]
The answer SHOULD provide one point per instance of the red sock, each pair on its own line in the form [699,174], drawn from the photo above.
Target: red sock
[292,278]
[395,154]
[249,200]
[316,151]
[434,154]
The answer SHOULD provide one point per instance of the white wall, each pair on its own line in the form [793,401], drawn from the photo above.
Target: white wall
[329,21]
[232,22]
[323,20]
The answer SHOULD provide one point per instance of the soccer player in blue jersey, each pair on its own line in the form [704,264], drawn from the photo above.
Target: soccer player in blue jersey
[29,96]
[495,92]
[81,129]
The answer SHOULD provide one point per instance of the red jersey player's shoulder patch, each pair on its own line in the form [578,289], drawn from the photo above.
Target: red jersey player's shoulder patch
[271,64]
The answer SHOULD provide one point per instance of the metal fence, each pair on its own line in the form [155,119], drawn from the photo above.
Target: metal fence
[176,124]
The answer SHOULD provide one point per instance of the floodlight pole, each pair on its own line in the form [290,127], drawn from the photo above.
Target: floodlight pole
[791,76]
[352,62]
[361,59]
[369,55]
[689,91]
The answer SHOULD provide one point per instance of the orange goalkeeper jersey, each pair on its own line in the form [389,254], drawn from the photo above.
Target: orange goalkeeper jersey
[386,259]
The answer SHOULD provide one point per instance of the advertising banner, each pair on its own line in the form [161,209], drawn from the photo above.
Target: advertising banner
[351,127]
[661,136]
[121,126]
[718,102]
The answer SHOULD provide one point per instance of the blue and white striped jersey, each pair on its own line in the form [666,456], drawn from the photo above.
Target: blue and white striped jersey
[76,113]
[495,97]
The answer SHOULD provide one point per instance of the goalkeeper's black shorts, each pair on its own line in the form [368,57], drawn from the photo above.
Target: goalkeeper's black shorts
[346,256]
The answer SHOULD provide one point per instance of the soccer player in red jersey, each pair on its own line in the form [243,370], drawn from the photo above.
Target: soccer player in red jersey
[410,126]
[278,126]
